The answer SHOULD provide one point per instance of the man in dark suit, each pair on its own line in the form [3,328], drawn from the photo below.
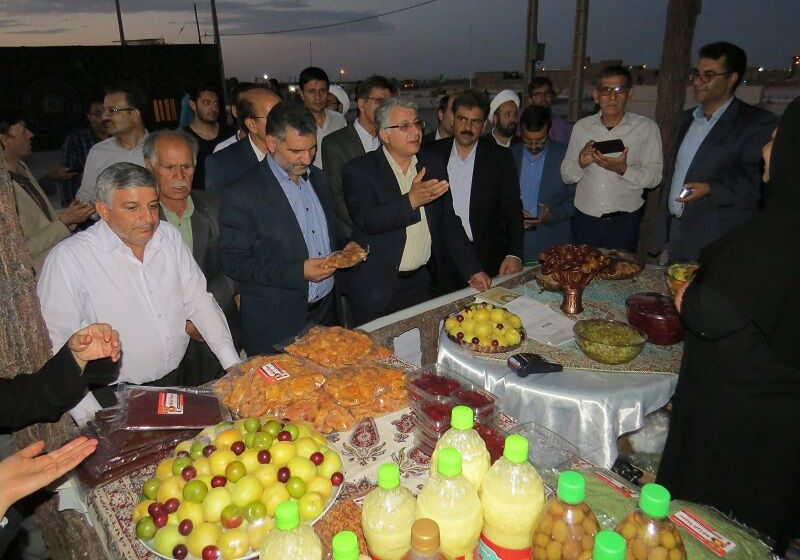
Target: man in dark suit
[171,155]
[717,165]
[485,193]
[548,203]
[354,140]
[277,227]
[401,208]
[230,163]
[445,127]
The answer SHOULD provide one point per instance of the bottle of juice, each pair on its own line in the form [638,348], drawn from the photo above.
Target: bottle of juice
[290,538]
[424,541]
[512,497]
[648,531]
[452,502]
[462,436]
[387,515]
[344,546]
[568,526]
[608,545]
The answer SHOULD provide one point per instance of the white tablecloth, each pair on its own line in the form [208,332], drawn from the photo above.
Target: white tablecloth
[589,409]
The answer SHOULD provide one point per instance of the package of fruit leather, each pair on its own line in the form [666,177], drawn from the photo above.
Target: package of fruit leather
[336,347]
[167,408]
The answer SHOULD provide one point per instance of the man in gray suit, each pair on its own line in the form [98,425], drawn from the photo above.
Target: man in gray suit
[548,203]
[716,179]
[171,155]
[355,140]
[227,165]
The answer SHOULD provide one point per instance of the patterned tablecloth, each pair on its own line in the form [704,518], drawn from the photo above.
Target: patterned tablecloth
[602,299]
[371,443]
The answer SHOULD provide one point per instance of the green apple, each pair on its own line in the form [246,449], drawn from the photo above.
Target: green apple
[250,460]
[311,505]
[305,446]
[220,459]
[331,464]
[150,488]
[166,539]
[216,500]
[195,491]
[282,452]
[248,489]
[302,467]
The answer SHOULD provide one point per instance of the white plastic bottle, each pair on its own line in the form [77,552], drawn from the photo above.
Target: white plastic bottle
[290,538]
[387,515]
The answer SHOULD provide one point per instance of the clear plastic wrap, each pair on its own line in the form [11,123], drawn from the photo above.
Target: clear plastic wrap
[370,389]
[166,408]
[300,543]
[336,347]
[348,257]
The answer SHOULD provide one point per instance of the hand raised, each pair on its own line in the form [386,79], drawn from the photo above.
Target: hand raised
[96,341]
[424,192]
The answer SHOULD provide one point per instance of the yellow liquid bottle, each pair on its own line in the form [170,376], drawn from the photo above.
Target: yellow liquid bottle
[344,546]
[387,515]
[290,538]
[512,497]
[452,502]
[475,461]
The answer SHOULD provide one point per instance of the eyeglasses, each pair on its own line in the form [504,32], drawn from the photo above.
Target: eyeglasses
[705,77]
[378,100]
[535,144]
[115,110]
[607,91]
[407,126]
[468,121]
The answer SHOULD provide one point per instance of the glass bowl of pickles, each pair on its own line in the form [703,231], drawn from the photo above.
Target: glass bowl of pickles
[609,342]
[678,274]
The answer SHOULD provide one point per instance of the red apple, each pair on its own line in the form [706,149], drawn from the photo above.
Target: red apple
[232,516]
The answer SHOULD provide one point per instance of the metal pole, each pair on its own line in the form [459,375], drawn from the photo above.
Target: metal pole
[533,43]
[578,60]
[197,22]
[470,55]
[219,51]
[310,55]
[119,22]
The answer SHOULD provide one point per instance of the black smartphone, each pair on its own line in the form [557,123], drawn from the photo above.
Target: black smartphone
[609,146]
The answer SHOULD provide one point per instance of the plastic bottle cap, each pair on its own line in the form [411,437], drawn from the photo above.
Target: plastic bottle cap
[654,500]
[515,449]
[345,546]
[287,516]
[608,545]
[449,462]
[571,487]
[462,418]
[389,476]
[425,536]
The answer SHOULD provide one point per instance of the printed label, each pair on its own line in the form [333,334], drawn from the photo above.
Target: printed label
[170,403]
[616,485]
[703,532]
[273,372]
[487,550]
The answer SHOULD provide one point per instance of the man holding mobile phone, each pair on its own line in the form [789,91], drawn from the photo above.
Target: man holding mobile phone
[610,182]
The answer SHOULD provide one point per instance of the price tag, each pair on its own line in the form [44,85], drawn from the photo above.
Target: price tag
[273,372]
[703,532]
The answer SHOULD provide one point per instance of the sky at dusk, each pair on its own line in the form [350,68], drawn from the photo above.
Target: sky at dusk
[423,42]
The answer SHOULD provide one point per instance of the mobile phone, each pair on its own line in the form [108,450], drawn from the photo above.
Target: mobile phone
[609,146]
[526,363]
[685,191]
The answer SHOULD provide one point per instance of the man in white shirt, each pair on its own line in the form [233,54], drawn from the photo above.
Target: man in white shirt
[135,272]
[485,194]
[313,85]
[354,140]
[608,198]
[124,108]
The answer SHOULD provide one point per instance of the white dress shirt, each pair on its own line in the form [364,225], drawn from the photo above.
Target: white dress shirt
[259,154]
[369,141]
[333,122]
[94,277]
[103,155]
[227,142]
[459,173]
[600,191]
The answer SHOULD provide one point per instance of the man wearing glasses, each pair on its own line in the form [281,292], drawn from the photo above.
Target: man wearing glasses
[611,177]
[485,193]
[227,165]
[354,140]
[124,107]
[716,182]
[401,208]
[542,94]
[548,203]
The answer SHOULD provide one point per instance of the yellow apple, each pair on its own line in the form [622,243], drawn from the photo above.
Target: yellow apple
[201,466]
[306,446]
[219,461]
[164,469]
[273,495]
[322,486]
[141,510]
[215,501]
[267,474]
[282,452]
[171,487]
[201,536]
[192,511]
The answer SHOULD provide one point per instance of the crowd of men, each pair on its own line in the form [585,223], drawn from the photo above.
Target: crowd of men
[206,240]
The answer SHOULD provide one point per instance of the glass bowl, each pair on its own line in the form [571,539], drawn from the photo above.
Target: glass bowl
[609,342]
[678,274]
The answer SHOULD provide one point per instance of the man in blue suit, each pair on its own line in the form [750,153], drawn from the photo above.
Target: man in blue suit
[276,227]
[548,203]
[230,163]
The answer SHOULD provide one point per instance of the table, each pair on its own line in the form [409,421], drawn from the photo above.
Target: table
[591,409]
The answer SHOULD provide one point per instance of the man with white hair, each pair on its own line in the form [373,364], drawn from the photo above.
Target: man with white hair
[134,272]
[504,112]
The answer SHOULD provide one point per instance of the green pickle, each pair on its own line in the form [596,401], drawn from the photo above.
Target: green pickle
[648,532]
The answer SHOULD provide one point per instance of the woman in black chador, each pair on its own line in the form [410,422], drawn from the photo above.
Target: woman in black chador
[734,437]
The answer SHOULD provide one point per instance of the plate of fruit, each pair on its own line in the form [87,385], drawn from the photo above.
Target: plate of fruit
[484,328]
[215,498]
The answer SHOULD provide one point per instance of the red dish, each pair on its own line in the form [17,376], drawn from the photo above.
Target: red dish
[494,438]
[482,402]
[436,384]
[657,316]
